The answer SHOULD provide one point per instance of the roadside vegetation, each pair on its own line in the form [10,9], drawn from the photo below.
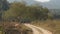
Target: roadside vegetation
[51,25]
[15,28]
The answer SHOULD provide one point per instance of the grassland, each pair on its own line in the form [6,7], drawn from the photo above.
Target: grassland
[51,25]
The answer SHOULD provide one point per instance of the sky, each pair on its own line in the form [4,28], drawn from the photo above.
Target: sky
[31,0]
[51,4]
[42,0]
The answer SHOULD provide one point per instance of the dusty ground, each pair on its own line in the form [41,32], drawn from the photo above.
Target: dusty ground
[36,29]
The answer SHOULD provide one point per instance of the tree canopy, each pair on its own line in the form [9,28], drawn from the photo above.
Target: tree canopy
[21,10]
[4,5]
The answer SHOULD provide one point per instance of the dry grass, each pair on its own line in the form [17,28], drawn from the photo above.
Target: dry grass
[20,26]
[51,25]
[0,32]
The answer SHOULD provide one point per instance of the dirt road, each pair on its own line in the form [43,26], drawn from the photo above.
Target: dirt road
[36,29]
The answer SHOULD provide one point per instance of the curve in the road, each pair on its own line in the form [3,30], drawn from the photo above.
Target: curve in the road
[35,29]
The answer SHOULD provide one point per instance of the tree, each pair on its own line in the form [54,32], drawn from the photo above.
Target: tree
[21,10]
[16,9]
[4,5]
